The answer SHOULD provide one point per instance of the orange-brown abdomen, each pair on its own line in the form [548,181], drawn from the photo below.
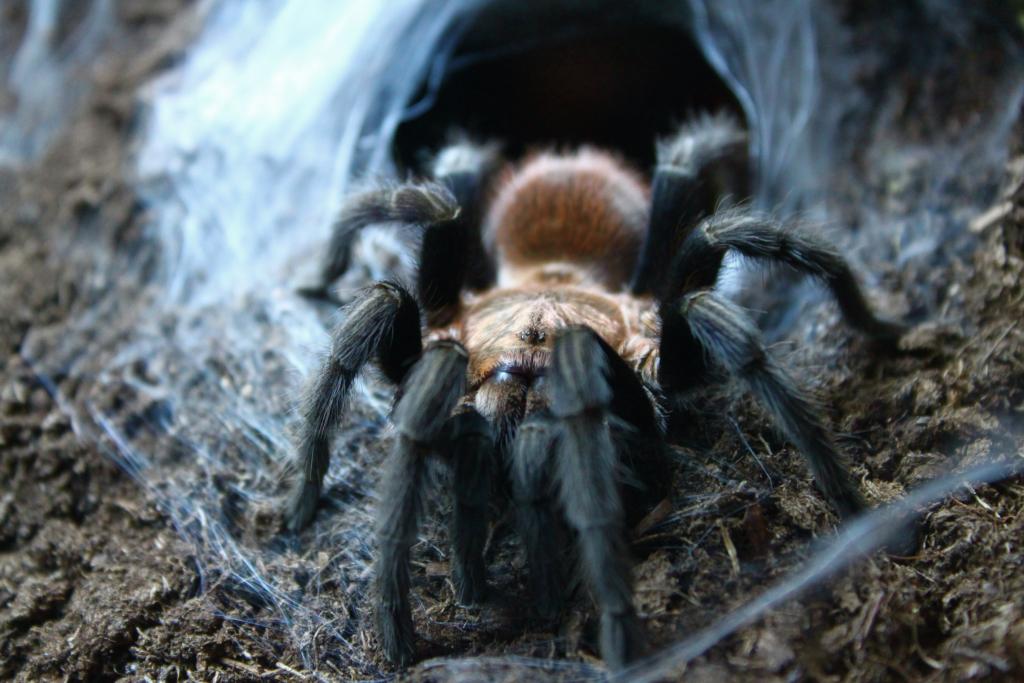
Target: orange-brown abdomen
[586,209]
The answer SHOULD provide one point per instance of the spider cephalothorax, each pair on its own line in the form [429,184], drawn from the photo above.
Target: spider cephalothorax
[558,303]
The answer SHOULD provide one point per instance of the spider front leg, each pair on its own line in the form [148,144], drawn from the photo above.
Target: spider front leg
[383,323]
[429,394]
[472,457]
[703,327]
[582,392]
[538,525]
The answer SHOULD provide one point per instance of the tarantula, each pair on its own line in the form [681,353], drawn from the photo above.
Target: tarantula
[557,305]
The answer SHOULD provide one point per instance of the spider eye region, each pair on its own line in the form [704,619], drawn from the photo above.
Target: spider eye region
[533,335]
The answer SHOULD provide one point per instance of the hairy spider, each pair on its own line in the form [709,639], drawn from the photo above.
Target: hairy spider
[558,303]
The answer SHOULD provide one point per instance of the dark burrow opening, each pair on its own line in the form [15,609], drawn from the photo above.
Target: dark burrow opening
[563,75]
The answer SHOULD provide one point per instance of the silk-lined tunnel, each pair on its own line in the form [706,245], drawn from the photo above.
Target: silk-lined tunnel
[561,76]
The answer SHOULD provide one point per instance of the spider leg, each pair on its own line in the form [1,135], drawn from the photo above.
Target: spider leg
[685,187]
[405,204]
[443,256]
[538,525]
[384,322]
[472,456]
[466,168]
[709,328]
[429,393]
[587,464]
[697,264]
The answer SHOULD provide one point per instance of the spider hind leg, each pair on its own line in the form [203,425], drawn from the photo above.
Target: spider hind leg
[446,235]
[408,204]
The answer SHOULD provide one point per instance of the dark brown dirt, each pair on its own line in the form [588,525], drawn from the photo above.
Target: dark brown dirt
[95,584]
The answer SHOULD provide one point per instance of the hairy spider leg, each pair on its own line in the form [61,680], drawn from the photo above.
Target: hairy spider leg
[448,212]
[467,169]
[537,521]
[429,207]
[703,161]
[383,323]
[472,455]
[428,395]
[700,258]
[706,326]
[585,387]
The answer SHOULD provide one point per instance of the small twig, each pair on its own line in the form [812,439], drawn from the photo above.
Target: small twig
[287,669]
[869,618]
[997,342]
[979,501]
[933,663]
[242,666]
[652,518]
[990,217]
[753,453]
[730,549]
[990,659]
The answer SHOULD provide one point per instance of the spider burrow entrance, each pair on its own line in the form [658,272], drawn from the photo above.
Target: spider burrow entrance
[537,75]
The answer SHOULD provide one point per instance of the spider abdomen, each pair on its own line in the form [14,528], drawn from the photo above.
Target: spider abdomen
[587,210]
